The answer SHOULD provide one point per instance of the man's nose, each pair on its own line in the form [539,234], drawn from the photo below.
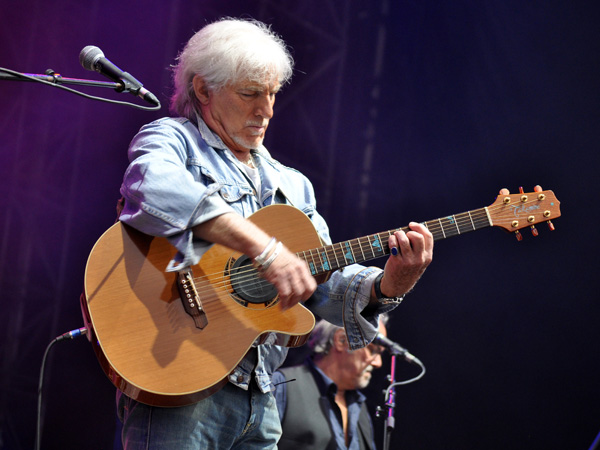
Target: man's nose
[264,107]
[377,361]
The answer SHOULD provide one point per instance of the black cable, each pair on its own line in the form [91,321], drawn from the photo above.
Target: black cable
[69,335]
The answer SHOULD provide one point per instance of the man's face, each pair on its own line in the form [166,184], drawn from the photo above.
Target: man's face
[240,113]
[359,364]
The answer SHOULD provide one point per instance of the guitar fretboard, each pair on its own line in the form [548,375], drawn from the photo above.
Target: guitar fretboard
[332,257]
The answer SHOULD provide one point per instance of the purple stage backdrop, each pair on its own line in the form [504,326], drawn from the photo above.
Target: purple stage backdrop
[397,111]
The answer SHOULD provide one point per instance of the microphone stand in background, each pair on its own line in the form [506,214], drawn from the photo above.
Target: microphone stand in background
[390,392]
[390,421]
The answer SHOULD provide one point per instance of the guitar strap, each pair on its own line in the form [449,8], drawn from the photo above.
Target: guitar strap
[280,197]
[120,206]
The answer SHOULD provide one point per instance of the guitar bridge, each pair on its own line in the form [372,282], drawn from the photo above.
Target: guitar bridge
[190,298]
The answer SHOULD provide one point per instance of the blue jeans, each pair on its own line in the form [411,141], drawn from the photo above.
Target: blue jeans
[230,419]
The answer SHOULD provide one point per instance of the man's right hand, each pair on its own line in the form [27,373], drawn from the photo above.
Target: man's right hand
[288,273]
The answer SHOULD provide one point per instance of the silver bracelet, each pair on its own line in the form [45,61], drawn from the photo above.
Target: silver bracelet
[274,255]
[391,301]
[261,259]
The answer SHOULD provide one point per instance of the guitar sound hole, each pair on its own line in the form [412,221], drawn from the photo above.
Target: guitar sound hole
[248,285]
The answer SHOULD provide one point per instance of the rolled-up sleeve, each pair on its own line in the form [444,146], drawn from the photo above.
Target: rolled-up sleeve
[343,301]
[162,197]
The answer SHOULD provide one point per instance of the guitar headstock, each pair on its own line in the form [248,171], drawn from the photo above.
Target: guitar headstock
[524,209]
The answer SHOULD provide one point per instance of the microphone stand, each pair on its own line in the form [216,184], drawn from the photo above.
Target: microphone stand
[390,393]
[56,80]
[390,421]
[51,76]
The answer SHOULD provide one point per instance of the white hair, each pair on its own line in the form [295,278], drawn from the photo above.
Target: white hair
[226,52]
[321,339]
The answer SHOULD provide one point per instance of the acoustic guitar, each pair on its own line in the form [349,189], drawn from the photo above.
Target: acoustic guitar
[171,339]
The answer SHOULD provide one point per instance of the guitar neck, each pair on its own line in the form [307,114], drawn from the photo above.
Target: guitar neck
[332,257]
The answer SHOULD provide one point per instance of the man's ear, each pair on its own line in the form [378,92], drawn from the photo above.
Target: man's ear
[201,90]
[340,343]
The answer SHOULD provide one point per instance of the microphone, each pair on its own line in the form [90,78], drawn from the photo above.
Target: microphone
[393,348]
[92,58]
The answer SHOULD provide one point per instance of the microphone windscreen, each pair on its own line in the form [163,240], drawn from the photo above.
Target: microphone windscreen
[89,55]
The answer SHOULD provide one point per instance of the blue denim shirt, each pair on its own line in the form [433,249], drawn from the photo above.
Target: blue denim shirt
[182,174]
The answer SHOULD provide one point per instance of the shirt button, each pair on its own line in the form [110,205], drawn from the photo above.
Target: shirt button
[240,378]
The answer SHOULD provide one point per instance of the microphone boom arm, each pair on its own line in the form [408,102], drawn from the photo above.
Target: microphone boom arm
[55,78]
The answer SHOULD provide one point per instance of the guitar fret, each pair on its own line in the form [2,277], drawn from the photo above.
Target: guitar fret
[324,260]
[312,265]
[455,224]
[386,243]
[442,228]
[451,220]
[319,260]
[481,218]
[364,258]
[471,218]
[377,246]
[348,253]
[486,217]
[463,224]
[302,255]
[339,253]
[337,262]
[371,246]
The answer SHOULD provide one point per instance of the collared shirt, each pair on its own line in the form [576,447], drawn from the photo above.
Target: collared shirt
[327,389]
[181,174]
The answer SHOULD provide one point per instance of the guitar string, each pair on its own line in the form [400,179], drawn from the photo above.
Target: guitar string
[435,226]
[250,278]
[357,245]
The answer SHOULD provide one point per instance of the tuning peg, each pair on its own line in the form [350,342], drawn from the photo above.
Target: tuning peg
[534,230]
[550,225]
[518,236]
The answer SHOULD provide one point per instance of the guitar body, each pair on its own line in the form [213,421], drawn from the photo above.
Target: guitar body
[146,342]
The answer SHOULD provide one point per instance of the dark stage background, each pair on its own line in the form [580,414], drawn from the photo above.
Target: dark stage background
[398,111]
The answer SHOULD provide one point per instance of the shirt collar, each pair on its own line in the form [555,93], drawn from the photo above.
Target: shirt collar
[327,387]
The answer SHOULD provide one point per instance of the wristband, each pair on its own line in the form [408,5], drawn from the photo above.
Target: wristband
[380,297]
